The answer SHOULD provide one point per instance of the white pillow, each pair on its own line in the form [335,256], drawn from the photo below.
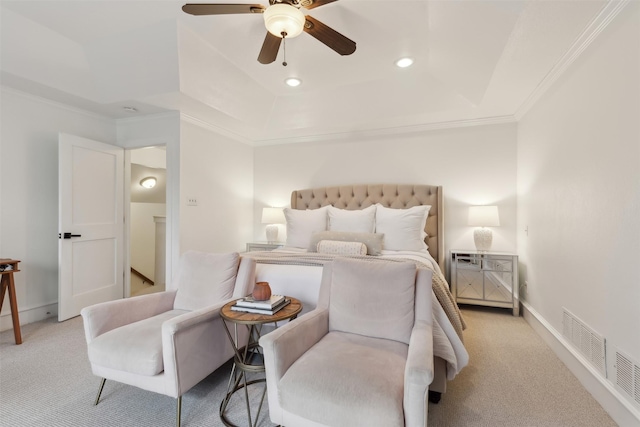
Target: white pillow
[372,241]
[336,247]
[301,224]
[357,221]
[403,229]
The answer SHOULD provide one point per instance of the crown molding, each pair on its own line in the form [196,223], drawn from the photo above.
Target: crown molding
[56,104]
[584,40]
[350,135]
[145,118]
[390,131]
[214,128]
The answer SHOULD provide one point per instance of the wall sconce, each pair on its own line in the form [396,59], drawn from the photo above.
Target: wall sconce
[148,182]
[272,217]
[483,217]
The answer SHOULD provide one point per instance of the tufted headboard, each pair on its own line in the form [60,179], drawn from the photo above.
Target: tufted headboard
[389,195]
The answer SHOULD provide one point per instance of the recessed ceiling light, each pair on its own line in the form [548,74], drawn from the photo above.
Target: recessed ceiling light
[404,62]
[130,109]
[293,81]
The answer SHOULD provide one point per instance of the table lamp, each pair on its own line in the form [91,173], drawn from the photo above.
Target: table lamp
[483,217]
[272,217]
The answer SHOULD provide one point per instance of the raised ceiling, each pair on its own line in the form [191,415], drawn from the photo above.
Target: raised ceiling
[474,60]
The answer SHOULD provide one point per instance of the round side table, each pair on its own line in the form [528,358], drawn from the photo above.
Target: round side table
[249,358]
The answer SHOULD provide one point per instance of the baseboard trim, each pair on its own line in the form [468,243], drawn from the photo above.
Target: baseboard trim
[29,315]
[622,412]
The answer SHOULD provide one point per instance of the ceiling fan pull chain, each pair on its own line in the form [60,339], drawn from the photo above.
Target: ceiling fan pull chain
[284,49]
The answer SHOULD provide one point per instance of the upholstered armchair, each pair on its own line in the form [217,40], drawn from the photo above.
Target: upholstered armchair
[363,357]
[168,342]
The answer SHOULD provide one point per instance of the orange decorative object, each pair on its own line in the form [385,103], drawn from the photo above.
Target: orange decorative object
[261,291]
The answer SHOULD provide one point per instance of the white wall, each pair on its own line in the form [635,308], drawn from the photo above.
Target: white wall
[218,172]
[474,165]
[579,190]
[143,236]
[29,193]
[215,169]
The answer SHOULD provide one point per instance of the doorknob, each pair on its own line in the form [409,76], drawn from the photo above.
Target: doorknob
[68,235]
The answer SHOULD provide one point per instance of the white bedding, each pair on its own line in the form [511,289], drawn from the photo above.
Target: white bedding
[303,283]
[299,281]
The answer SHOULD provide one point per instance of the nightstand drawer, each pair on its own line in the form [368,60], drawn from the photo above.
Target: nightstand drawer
[263,246]
[486,263]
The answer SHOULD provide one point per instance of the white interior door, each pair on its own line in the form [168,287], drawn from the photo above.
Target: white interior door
[91,215]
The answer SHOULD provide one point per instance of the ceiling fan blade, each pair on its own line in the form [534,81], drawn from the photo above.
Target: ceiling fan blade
[221,9]
[329,36]
[311,4]
[270,47]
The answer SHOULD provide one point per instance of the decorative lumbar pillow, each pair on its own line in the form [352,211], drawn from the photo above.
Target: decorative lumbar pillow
[204,279]
[301,224]
[403,229]
[357,221]
[335,247]
[373,241]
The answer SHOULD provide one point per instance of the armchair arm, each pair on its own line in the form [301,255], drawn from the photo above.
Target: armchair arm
[103,317]
[245,278]
[286,344]
[192,318]
[418,375]
[194,344]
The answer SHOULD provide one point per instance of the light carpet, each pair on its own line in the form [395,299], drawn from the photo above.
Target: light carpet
[47,381]
[513,379]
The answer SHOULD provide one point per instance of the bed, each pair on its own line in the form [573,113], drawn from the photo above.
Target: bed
[407,226]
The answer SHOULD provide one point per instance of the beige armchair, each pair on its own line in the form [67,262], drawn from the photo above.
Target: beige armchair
[363,357]
[168,342]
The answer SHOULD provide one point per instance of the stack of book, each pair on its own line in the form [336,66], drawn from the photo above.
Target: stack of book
[271,306]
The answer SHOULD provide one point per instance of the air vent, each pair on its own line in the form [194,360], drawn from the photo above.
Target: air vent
[626,375]
[636,387]
[586,341]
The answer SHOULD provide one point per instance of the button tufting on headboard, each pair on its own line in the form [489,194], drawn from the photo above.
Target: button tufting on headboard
[388,195]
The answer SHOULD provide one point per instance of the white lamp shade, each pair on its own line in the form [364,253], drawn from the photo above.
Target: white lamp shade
[484,216]
[284,18]
[273,216]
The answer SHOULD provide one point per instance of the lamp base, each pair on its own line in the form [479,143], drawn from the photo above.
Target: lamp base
[272,233]
[482,237]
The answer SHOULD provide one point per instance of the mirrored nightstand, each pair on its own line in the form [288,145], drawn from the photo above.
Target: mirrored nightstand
[485,278]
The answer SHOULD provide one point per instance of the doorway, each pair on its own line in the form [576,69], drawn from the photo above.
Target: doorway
[147,220]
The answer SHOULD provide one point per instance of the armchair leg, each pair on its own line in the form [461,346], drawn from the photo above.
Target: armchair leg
[179,407]
[102,381]
[434,396]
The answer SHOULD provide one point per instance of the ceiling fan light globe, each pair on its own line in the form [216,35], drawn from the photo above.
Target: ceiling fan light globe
[283,18]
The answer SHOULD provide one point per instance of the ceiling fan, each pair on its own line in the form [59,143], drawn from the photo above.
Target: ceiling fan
[283,19]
